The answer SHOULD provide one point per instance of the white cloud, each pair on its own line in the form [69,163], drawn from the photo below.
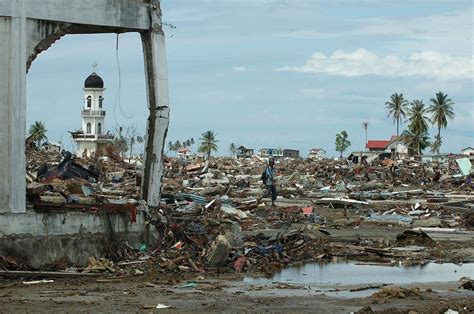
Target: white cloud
[362,62]
[449,32]
[240,68]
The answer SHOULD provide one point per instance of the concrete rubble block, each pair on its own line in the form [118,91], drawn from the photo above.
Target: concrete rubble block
[430,222]
[219,252]
[233,212]
[233,233]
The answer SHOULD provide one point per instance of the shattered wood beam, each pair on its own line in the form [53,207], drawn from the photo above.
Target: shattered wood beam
[158,104]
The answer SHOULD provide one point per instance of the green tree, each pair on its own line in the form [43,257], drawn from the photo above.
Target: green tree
[177,145]
[365,125]
[436,144]
[396,109]
[342,143]
[208,143]
[418,122]
[441,109]
[170,146]
[232,149]
[38,132]
[417,127]
[415,141]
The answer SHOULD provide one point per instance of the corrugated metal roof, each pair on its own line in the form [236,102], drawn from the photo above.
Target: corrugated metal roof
[377,144]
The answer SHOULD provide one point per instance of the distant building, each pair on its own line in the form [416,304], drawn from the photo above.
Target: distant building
[291,153]
[377,145]
[397,147]
[271,152]
[91,136]
[394,146]
[317,153]
[468,151]
[50,147]
[183,152]
[243,152]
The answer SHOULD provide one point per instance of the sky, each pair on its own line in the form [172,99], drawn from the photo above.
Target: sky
[273,73]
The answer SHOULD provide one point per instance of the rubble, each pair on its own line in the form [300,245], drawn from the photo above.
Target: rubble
[219,252]
[218,219]
[414,237]
[388,293]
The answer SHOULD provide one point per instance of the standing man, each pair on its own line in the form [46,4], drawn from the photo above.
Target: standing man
[268,178]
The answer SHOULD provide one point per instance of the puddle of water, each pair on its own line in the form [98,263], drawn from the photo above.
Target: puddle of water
[349,273]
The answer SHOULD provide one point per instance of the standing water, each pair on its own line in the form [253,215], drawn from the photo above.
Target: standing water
[349,273]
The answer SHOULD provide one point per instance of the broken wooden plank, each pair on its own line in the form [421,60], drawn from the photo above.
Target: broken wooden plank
[20,273]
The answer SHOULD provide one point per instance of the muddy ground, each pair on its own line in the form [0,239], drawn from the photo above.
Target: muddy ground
[142,294]
[222,290]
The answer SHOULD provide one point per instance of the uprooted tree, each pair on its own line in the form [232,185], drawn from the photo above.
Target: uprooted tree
[342,143]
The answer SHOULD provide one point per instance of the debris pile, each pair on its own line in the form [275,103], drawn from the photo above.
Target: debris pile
[214,214]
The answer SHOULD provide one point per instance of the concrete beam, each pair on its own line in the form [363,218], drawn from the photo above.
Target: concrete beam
[28,27]
[158,104]
[127,14]
[12,114]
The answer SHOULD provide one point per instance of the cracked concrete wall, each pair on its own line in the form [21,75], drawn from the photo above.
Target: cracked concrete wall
[42,238]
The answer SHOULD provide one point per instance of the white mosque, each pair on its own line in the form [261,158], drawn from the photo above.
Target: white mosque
[91,137]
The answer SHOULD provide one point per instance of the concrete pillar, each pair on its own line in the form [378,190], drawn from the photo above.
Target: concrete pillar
[13,111]
[158,103]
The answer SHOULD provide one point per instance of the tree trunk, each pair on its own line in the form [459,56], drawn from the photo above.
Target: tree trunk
[396,151]
[365,146]
[438,147]
[131,150]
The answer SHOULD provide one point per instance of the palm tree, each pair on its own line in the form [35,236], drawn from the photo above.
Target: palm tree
[208,143]
[436,144]
[170,146]
[416,142]
[365,125]
[38,132]
[418,124]
[177,145]
[441,109]
[396,108]
[232,149]
[191,143]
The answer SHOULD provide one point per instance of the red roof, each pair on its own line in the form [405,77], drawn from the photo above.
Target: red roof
[377,144]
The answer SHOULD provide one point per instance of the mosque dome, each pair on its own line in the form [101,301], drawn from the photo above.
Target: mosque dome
[93,81]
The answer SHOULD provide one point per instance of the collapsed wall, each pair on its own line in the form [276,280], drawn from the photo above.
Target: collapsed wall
[41,239]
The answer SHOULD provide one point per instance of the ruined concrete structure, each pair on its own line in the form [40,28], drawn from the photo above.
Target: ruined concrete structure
[28,27]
